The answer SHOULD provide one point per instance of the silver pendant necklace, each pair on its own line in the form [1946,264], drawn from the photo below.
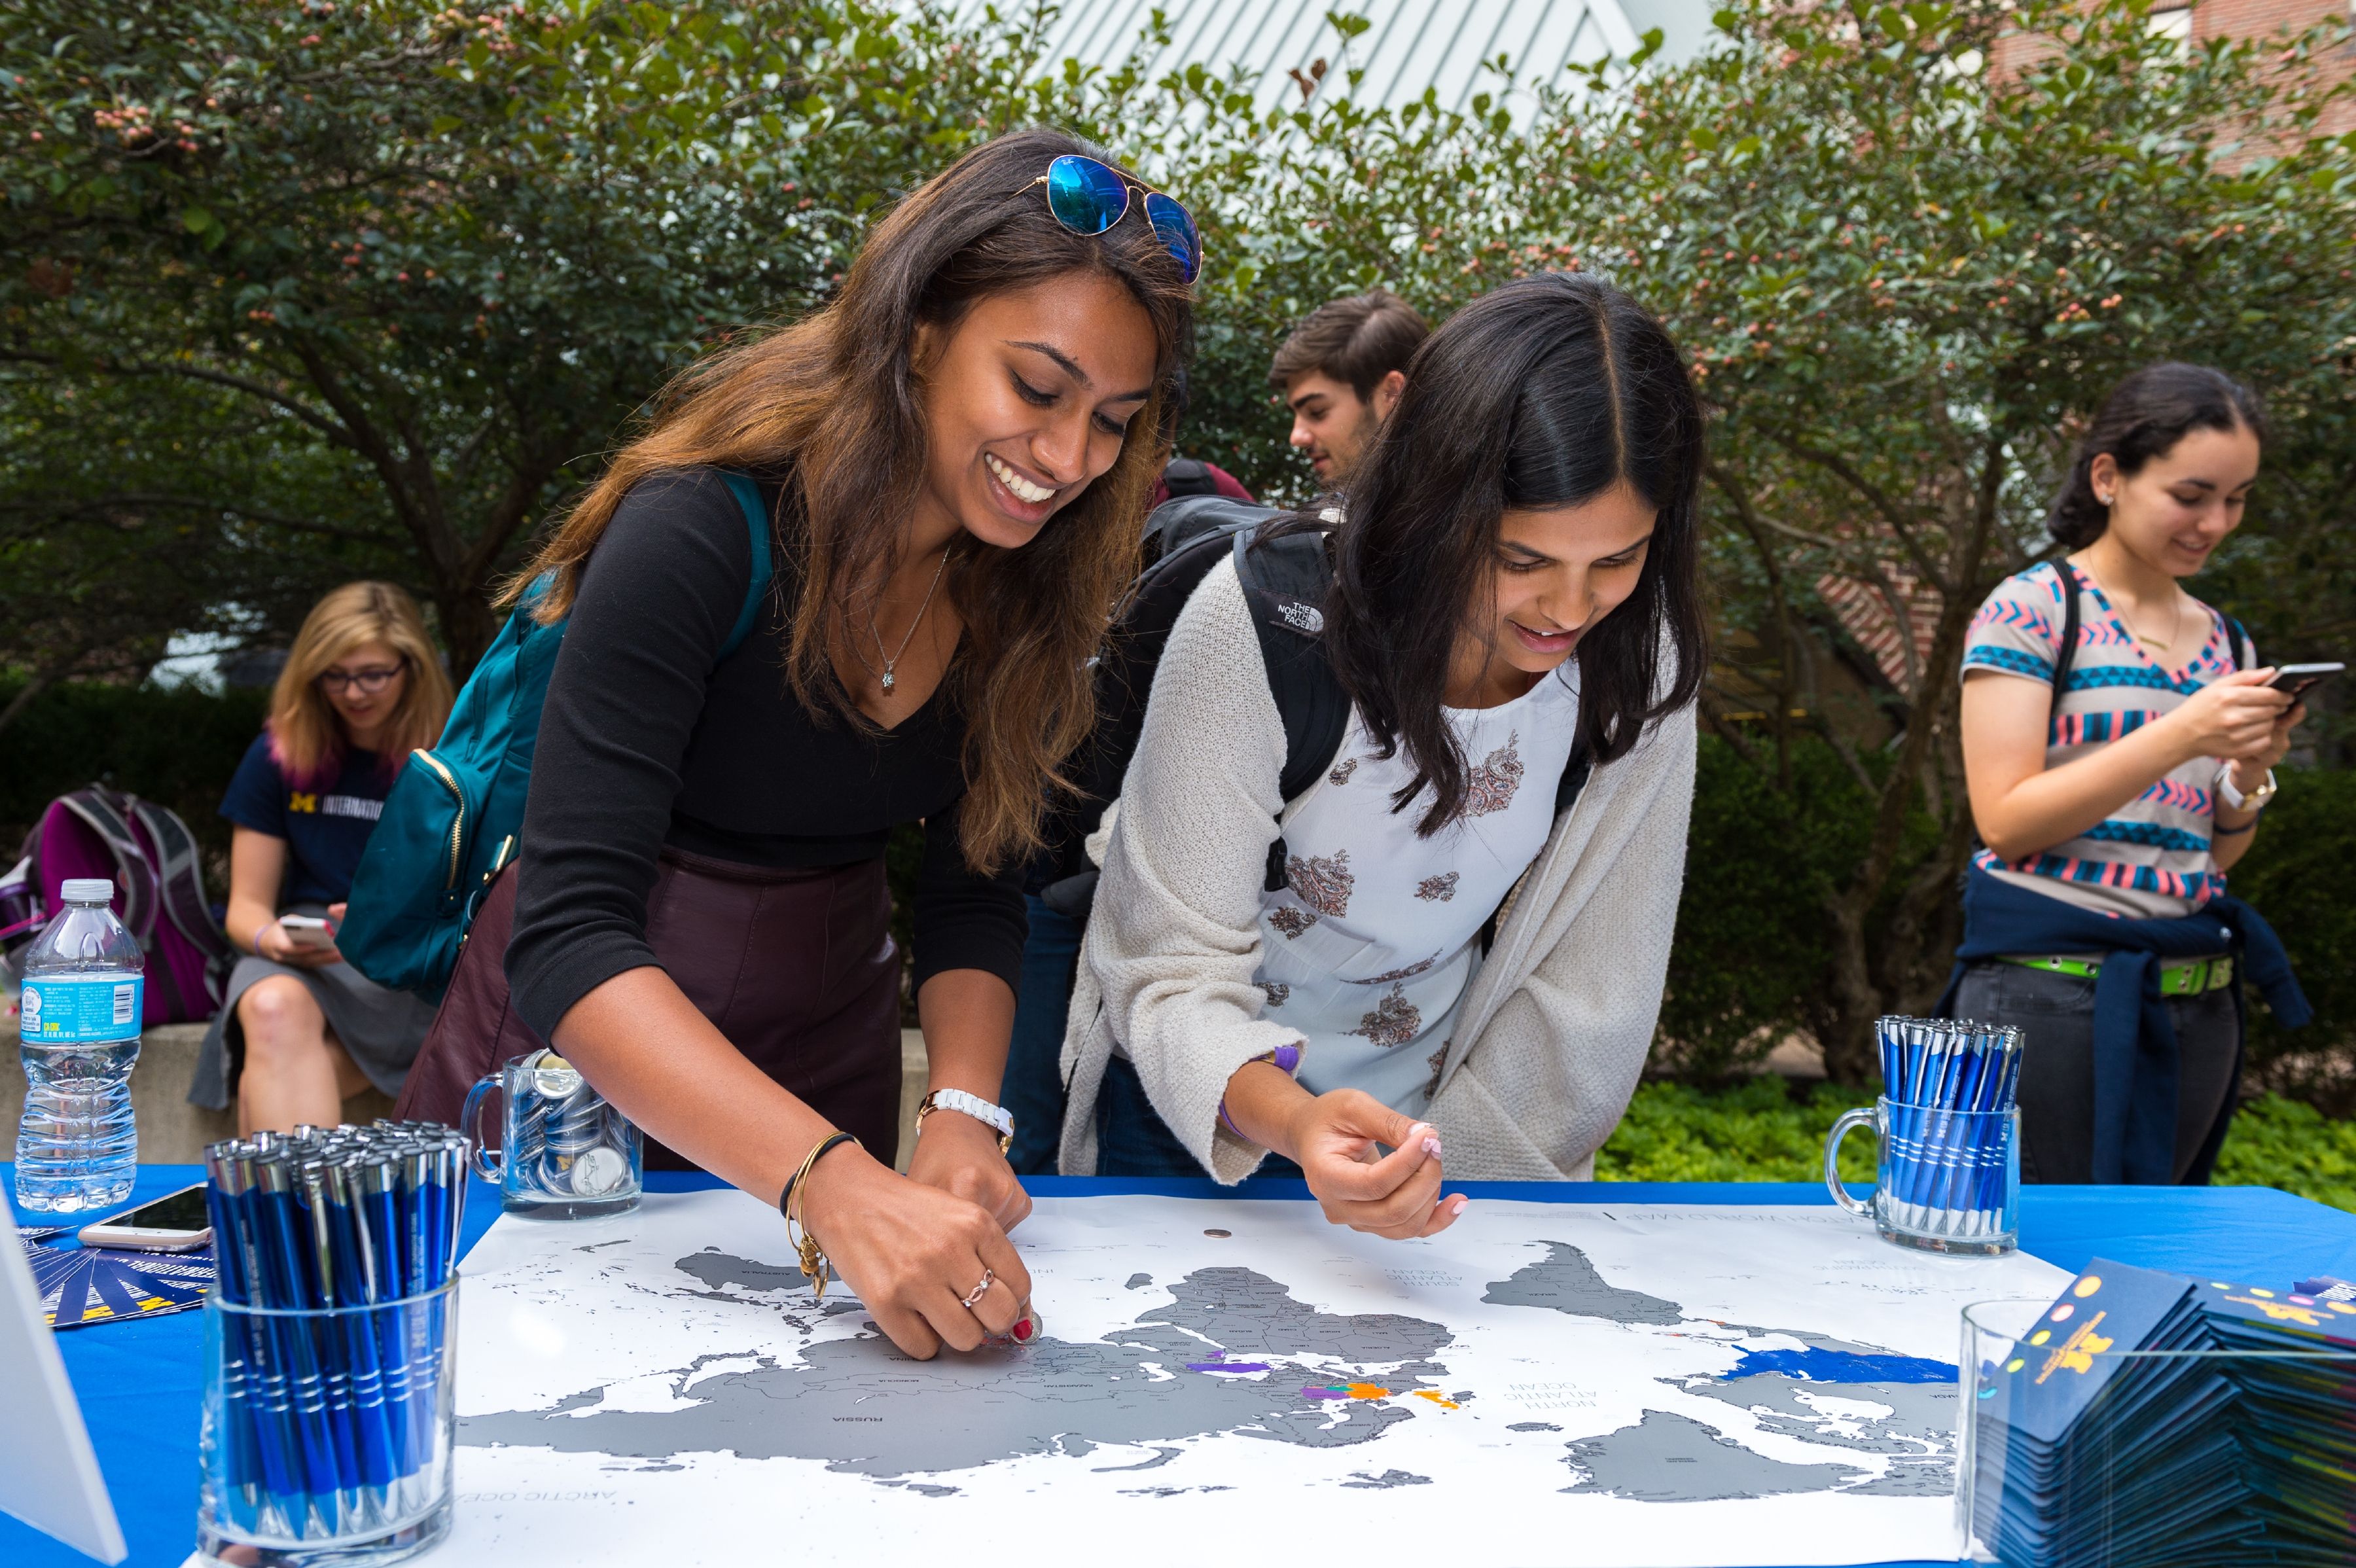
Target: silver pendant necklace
[885,677]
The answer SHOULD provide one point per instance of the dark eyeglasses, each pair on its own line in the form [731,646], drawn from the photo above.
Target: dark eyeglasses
[1089,198]
[368,683]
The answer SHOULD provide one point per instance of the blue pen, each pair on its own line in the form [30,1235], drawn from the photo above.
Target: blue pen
[2015,1040]
[355,1287]
[1963,1130]
[284,1270]
[378,1215]
[326,1335]
[248,1478]
[268,1385]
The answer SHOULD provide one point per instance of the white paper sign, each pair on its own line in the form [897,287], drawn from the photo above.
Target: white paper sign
[49,1476]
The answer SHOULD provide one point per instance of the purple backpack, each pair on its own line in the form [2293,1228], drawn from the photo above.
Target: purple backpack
[159,893]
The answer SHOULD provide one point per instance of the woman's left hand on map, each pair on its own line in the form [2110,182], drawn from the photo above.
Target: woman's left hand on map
[960,1155]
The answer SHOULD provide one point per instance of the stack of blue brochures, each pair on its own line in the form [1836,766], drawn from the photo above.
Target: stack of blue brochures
[81,1285]
[2231,1440]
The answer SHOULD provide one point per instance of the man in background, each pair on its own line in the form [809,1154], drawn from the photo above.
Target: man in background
[1341,373]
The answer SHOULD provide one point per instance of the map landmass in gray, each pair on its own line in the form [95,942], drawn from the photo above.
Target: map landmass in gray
[1918,1433]
[1564,1281]
[1362,1480]
[1670,1458]
[862,1407]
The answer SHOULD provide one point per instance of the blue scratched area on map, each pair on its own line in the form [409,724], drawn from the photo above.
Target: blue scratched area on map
[1672,1456]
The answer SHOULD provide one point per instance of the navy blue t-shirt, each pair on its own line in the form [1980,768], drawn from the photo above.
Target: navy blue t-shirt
[325,826]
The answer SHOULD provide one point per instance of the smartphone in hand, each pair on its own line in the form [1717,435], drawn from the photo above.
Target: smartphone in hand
[2301,679]
[307,931]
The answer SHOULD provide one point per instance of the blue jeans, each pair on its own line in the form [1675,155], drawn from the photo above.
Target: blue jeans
[1033,1091]
[1133,1140]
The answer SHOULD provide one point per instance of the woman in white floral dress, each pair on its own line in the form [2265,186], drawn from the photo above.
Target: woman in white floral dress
[1461,938]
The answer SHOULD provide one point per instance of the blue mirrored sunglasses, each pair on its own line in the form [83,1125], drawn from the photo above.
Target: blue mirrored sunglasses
[1089,198]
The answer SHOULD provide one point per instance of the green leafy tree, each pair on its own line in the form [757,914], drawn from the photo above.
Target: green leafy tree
[444,255]
[1903,275]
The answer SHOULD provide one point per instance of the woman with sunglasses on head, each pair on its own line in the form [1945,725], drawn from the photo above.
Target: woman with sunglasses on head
[1457,939]
[300,1030]
[951,459]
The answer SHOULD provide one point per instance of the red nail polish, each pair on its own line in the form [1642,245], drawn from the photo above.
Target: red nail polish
[1022,1331]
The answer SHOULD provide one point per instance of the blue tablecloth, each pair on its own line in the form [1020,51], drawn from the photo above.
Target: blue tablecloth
[140,1385]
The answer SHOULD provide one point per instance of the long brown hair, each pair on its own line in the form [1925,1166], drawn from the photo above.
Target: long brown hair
[834,403]
[1544,393]
[306,735]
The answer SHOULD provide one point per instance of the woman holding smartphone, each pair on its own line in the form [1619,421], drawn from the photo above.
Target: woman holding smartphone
[300,1030]
[951,460]
[1460,938]
[2116,774]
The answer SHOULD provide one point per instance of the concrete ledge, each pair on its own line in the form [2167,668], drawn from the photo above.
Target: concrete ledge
[171,1131]
[174,1132]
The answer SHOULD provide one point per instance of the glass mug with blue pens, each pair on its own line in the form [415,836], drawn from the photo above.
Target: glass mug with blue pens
[331,1343]
[1948,1177]
[563,1152]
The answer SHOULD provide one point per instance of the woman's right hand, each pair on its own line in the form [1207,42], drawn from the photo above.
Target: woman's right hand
[1334,1136]
[271,941]
[2233,715]
[913,1253]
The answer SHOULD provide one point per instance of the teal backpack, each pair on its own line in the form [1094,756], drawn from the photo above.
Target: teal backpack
[450,822]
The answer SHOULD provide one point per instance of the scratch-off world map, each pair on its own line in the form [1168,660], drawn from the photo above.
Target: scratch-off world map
[1542,1383]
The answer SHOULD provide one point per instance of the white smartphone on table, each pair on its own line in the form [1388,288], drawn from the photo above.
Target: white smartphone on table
[176,1222]
[307,931]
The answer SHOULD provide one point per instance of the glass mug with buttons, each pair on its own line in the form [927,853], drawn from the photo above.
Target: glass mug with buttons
[563,1152]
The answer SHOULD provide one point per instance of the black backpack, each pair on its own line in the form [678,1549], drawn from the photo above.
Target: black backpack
[1189,477]
[1285,574]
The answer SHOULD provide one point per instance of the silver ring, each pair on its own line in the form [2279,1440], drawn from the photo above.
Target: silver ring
[989,1278]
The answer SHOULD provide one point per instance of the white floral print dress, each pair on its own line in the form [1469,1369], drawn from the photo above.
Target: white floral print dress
[1369,948]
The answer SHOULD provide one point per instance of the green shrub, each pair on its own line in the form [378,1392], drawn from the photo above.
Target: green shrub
[2295,875]
[1768,1129]
[1752,949]
[177,747]
[2282,1142]
[1765,1128]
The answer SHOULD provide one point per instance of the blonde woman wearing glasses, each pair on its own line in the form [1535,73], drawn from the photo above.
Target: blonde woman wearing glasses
[300,1029]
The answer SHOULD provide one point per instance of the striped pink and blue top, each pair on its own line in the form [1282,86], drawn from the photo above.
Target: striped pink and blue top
[2150,858]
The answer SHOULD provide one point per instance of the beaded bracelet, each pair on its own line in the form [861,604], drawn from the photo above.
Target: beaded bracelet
[1285,1059]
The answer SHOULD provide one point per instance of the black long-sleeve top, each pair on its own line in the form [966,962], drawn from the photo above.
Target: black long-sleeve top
[650,738]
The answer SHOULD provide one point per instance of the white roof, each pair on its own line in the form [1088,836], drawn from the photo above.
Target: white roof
[1409,44]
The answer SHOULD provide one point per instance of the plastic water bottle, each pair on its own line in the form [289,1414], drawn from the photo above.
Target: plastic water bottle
[79,1019]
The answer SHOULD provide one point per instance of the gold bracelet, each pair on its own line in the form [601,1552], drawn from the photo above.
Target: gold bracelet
[814,1262]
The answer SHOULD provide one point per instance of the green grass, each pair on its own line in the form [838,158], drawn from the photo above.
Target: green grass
[1765,1130]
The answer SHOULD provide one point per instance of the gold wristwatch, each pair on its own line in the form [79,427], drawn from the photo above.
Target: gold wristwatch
[2252,802]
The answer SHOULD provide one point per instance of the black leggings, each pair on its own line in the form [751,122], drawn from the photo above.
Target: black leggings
[2057,1068]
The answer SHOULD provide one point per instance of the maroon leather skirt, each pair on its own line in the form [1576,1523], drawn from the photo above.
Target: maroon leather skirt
[797,968]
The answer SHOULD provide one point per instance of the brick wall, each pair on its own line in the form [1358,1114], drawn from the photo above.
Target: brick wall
[2228,18]
[2256,18]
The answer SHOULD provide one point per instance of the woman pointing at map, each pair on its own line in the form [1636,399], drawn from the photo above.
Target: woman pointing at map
[949,463]
[1454,947]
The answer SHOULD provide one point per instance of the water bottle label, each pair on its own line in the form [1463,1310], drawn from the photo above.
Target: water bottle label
[58,1011]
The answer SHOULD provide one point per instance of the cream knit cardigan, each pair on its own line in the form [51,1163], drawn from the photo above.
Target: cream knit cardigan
[1557,1020]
